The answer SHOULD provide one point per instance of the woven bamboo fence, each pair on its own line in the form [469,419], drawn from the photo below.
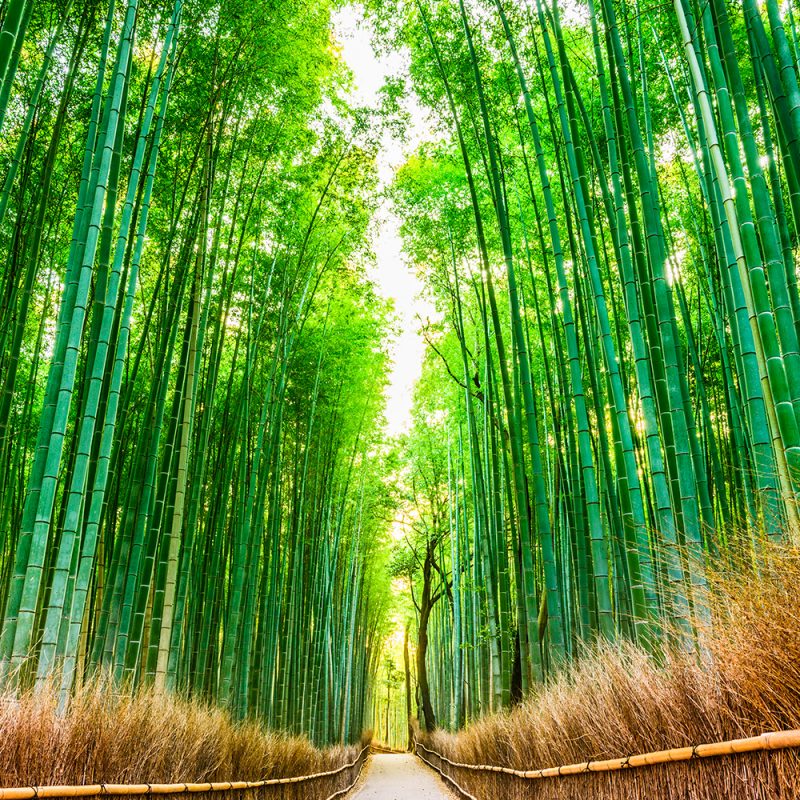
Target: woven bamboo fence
[331,784]
[765,767]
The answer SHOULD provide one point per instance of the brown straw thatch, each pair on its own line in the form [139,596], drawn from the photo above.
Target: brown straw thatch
[619,701]
[145,737]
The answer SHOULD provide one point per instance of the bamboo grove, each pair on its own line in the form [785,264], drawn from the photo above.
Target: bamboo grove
[197,490]
[608,224]
[191,358]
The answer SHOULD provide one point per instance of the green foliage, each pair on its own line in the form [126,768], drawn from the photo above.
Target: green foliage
[193,496]
[626,415]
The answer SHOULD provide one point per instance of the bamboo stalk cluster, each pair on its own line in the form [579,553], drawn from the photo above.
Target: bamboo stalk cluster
[188,350]
[609,229]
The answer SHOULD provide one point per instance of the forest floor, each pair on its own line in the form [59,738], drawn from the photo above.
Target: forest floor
[399,776]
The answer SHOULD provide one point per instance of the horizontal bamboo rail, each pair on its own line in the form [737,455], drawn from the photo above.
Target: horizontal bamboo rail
[777,740]
[125,789]
[460,789]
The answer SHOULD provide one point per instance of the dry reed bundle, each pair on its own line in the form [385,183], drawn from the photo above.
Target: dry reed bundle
[619,701]
[118,737]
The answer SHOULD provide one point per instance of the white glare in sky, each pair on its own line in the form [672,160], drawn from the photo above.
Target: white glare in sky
[394,278]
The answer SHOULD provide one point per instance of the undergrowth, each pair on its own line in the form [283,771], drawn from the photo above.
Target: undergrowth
[619,701]
[112,736]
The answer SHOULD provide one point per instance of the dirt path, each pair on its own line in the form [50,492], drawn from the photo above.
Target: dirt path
[400,776]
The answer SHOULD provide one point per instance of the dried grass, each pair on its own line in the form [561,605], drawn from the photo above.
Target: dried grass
[618,702]
[112,736]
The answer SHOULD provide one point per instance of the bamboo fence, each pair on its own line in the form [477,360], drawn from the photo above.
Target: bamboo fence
[766,742]
[145,789]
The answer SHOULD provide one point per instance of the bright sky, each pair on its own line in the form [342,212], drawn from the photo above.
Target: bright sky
[394,278]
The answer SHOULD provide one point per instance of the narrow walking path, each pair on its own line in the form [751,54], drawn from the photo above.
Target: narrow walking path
[401,776]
